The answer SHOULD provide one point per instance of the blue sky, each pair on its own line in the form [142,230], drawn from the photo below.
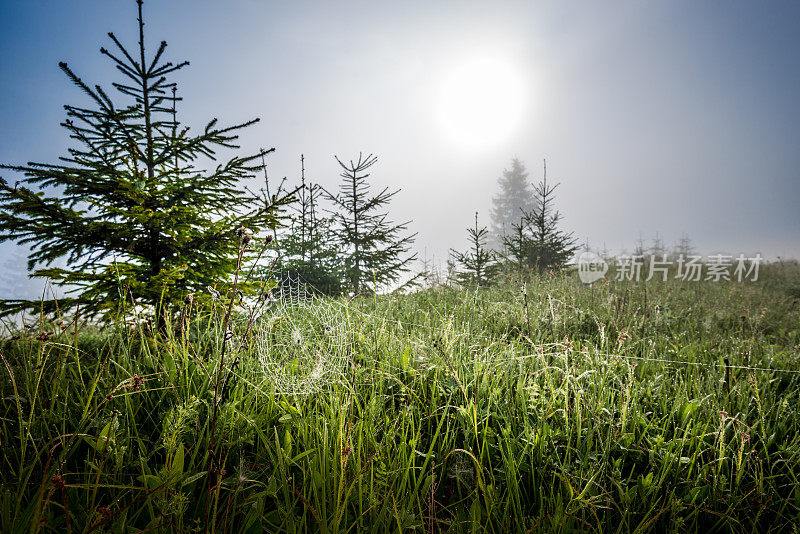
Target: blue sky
[670,118]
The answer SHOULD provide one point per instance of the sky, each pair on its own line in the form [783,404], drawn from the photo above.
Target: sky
[656,118]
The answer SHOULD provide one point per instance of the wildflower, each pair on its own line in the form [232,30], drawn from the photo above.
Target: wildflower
[188,299]
[268,239]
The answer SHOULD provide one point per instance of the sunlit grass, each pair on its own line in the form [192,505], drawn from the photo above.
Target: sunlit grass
[458,410]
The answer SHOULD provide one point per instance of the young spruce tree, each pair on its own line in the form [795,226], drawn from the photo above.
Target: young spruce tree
[536,240]
[308,245]
[128,209]
[375,251]
[478,265]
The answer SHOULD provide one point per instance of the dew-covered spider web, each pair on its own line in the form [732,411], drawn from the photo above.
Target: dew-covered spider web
[302,340]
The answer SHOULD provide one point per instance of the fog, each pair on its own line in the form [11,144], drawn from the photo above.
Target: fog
[670,119]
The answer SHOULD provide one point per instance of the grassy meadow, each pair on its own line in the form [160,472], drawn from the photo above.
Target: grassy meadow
[534,405]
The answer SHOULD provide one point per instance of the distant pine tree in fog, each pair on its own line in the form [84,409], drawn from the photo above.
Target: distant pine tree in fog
[537,240]
[515,197]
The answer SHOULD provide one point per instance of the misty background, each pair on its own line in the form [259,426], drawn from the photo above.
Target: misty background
[671,118]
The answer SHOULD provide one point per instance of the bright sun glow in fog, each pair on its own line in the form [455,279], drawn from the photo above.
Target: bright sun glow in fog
[481,102]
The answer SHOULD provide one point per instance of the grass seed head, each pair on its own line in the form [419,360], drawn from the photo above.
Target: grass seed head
[58,482]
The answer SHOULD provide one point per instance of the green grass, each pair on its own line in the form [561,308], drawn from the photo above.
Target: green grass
[495,410]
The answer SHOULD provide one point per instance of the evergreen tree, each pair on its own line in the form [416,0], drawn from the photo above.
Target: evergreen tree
[639,247]
[301,223]
[536,240]
[516,243]
[375,251]
[478,265]
[515,197]
[657,248]
[127,208]
[308,246]
[684,248]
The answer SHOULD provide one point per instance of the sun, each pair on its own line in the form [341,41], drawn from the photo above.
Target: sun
[481,102]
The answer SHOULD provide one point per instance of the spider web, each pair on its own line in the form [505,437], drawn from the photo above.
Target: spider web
[302,340]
